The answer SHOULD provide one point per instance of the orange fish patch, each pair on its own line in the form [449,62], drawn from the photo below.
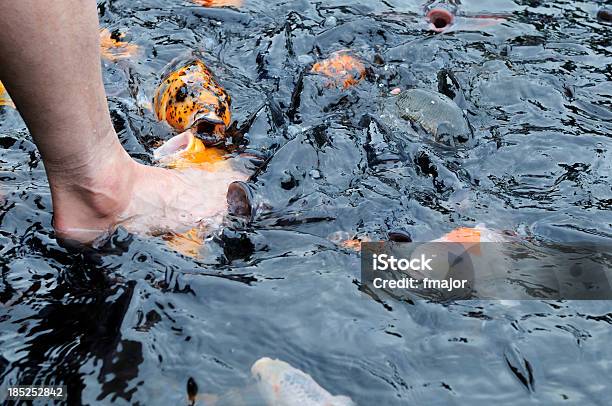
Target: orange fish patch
[219,3]
[191,98]
[113,49]
[354,245]
[342,69]
[468,237]
[347,240]
[188,243]
[187,151]
[5,100]
[463,235]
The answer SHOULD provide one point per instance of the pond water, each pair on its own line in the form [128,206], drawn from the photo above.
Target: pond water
[133,325]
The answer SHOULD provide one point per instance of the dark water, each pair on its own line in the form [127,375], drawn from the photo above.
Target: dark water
[132,327]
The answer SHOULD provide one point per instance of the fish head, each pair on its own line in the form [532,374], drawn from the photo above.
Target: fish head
[342,69]
[269,373]
[441,14]
[269,370]
[190,98]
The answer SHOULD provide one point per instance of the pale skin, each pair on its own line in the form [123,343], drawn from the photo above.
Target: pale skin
[50,65]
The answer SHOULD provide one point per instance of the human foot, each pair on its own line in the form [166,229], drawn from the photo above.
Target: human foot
[143,199]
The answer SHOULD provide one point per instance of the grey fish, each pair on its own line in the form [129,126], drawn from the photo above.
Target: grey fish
[436,114]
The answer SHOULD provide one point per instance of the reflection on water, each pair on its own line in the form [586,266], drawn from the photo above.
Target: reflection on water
[134,325]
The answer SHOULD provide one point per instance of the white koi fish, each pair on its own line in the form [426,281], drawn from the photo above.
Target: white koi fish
[280,384]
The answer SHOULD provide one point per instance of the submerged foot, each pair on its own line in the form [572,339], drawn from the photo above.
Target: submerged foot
[143,199]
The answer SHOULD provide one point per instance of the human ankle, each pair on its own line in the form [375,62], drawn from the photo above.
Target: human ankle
[92,196]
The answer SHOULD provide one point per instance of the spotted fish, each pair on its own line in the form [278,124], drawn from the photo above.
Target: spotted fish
[191,99]
[280,384]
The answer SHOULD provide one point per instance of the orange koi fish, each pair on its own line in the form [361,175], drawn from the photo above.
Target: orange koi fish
[342,70]
[347,240]
[471,238]
[190,99]
[219,3]
[113,49]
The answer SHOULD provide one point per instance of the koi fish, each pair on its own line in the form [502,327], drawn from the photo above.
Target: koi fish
[467,235]
[471,238]
[190,99]
[436,114]
[280,384]
[347,240]
[113,49]
[5,100]
[341,69]
[219,3]
[460,254]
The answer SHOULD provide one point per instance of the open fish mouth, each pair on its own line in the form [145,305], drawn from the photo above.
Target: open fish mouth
[440,19]
[174,147]
[187,150]
[209,127]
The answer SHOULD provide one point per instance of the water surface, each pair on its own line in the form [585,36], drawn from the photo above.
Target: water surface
[132,326]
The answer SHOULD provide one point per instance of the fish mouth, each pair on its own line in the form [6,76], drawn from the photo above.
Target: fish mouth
[440,19]
[174,147]
[210,129]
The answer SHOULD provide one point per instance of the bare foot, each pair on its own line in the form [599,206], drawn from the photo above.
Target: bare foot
[177,200]
[143,199]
